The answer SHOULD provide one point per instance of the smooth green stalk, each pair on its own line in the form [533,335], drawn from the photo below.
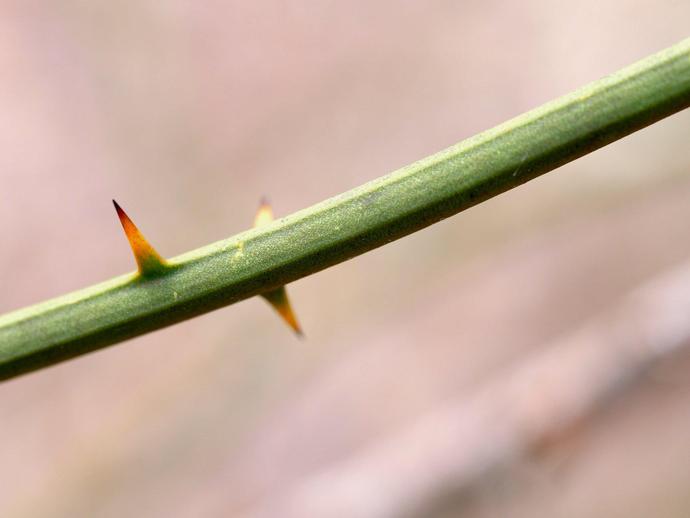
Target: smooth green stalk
[372,215]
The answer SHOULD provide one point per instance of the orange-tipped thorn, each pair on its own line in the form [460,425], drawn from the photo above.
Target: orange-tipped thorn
[148,260]
[264,215]
[277,298]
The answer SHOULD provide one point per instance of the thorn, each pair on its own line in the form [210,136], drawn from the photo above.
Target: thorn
[264,215]
[277,298]
[148,260]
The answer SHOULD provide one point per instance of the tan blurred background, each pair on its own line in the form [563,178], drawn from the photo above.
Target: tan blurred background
[187,112]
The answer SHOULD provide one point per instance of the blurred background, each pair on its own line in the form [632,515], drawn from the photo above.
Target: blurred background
[489,366]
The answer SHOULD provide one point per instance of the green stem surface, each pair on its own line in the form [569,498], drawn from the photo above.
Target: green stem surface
[352,223]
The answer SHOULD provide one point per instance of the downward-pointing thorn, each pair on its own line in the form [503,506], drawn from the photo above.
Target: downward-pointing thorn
[279,300]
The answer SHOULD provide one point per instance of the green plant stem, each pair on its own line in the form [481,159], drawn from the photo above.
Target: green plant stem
[352,223]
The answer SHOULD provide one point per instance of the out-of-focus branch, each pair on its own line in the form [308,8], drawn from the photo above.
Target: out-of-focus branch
[522,408]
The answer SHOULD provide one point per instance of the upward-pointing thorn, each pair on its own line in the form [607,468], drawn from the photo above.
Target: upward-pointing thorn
[264,215]
[278,297]
[148,260]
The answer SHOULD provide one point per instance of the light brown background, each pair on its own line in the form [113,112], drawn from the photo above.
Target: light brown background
[187,112]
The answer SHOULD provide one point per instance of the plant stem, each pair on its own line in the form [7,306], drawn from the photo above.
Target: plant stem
[352,223]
